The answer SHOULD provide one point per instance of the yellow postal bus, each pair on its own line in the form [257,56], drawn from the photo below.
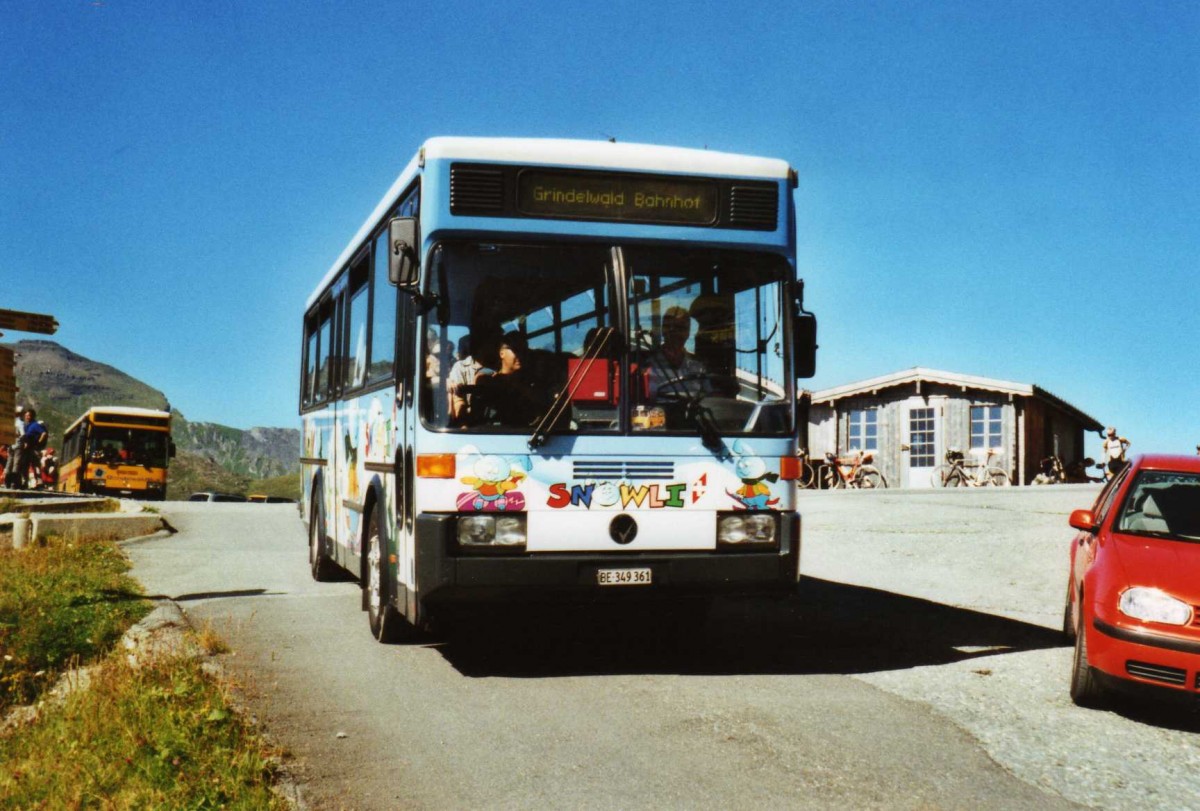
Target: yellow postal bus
[118,451]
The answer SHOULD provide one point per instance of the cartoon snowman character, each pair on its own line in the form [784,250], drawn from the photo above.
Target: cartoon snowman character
[494,477]
[754,494]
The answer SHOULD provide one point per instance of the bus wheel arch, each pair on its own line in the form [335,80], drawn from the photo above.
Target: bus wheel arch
[319,562]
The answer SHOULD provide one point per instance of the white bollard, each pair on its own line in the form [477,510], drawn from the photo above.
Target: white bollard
[20,530]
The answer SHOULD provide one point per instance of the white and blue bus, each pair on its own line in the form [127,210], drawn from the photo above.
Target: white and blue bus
[560,370]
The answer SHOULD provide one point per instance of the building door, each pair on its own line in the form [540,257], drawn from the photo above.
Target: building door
[924,444]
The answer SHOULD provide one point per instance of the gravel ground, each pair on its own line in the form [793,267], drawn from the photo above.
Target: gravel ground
[1003,552]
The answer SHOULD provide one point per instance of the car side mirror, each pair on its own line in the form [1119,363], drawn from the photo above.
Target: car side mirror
[1084,520]
[404,261]
[804,344]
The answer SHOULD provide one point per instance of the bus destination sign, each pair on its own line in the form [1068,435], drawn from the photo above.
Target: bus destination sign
[633,198]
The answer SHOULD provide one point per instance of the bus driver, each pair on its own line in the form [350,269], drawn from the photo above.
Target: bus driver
[673,371]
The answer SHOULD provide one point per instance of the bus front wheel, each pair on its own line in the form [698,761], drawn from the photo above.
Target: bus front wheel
[387,624]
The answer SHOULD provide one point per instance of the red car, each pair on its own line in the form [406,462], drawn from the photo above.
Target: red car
[1133,601]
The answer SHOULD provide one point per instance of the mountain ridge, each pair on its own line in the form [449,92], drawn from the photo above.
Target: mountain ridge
[61,384]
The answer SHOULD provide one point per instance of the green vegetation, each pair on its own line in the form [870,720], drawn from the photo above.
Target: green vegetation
[286,486]
[156,736]
[191,473]
[60,603]
[161,736]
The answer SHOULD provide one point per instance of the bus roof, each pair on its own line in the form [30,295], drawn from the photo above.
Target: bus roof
[120,411]
[606,155]
[560,152]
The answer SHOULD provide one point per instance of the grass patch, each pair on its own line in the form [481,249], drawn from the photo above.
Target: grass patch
[11,505]
[61,603]
[161,736]
[158,736]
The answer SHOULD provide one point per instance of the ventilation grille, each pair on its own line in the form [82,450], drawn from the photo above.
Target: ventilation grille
[615,470]
[1161,673]
[754,207]
[476,190]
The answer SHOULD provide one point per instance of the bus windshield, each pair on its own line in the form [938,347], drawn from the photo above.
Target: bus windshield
[127,446]
[617,338]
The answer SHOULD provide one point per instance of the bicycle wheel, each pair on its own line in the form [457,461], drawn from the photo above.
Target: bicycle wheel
[938,477]
[832,479]
[808,478]
[871,479]
[956,477]
[997,477]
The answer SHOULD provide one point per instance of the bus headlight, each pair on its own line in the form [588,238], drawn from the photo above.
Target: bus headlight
[747,529]
[1152,605]
[506,531]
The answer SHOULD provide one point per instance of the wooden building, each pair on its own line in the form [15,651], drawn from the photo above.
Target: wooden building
[909,420]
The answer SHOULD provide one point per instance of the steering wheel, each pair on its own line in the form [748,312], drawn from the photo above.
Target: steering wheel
[675,388]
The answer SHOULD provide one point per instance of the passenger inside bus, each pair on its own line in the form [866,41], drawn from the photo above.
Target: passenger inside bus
[512,396]
[478,356]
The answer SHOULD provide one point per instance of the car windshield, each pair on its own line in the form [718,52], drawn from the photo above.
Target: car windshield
[1163,504]
[606,339]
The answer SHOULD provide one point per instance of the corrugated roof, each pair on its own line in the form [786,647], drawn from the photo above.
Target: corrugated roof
[919,374]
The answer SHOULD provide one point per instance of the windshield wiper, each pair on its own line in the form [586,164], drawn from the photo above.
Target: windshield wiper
[592,353]
[710,433]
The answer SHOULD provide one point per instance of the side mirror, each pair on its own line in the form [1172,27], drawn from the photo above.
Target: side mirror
[404,261]
[1084,520]
[804,344]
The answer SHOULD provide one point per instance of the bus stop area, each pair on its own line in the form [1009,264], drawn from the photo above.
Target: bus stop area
[31,515]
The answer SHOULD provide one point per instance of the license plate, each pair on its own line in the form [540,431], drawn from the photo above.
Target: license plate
[623,577]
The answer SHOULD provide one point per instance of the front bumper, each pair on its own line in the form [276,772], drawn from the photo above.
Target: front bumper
[1138,654]
[135,490]
[443,576]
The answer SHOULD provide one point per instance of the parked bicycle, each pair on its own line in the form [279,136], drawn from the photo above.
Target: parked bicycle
[980,472]
[1052,471]
[808,474]
[853,471]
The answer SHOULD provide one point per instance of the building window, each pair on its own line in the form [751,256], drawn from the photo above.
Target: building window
[863,433]
[986,427]
[922,437]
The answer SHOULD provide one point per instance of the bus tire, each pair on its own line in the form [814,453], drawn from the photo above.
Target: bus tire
[318,558]
[387,624]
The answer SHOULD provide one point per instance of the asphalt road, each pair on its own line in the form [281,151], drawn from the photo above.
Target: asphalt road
[918,666]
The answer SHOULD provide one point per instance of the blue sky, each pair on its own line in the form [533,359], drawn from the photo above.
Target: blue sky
[1001,189]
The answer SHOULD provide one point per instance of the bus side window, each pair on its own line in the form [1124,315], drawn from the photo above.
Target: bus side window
[383,315]
[308,385]
[324,345]
[356,320]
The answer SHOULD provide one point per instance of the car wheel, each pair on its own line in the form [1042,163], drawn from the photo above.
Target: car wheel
[1069,621]
[318,559]
[1086,690]
[387,624]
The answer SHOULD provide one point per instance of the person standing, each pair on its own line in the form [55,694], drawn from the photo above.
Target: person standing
[1114,453]
[33,442]
[10,467]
